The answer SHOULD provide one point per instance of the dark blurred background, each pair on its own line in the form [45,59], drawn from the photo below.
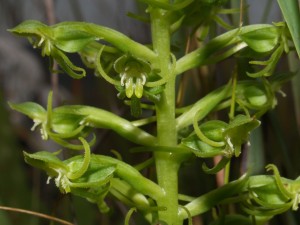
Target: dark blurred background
[25,76]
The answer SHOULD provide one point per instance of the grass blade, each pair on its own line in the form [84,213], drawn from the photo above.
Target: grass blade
[291,14]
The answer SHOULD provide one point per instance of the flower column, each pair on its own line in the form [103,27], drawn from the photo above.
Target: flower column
[166,163]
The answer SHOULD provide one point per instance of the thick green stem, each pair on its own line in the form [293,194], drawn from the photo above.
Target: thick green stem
[166,163]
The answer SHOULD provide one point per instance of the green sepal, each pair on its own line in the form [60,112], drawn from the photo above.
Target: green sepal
[38,34]
[238,132]
[46,161]
[256,97]
[31,27]
[70,41]
[94,177]
[30,109]
[262,40]
[214,129]
[64,124]
[200,148]
[126,61]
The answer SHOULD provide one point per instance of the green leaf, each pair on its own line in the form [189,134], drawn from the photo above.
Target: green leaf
[290,11]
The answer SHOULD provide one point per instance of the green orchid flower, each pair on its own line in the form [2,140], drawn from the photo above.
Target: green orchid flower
[216,137]
[271,195]
[133,73]
[93,176]
[55,43]
[59,127]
